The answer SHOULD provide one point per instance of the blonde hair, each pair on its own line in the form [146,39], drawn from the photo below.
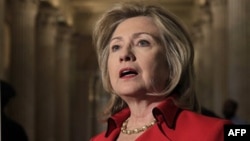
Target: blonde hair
[178,49]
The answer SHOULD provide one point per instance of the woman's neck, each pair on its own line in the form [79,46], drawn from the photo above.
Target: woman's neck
[141,110]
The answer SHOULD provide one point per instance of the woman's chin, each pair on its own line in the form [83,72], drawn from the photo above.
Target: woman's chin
[131,92]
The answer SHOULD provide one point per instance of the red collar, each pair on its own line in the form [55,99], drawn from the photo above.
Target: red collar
[166,112]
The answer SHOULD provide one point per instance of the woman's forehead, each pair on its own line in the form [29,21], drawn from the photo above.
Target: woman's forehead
[140,24]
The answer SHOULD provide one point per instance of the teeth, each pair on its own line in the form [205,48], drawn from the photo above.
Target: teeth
[127,72]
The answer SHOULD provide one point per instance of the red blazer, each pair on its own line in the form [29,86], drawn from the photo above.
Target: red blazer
[173,124]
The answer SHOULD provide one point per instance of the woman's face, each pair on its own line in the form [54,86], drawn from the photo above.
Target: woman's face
[137,62]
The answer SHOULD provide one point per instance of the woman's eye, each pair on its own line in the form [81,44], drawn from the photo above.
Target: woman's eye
[115,47]
[143,43]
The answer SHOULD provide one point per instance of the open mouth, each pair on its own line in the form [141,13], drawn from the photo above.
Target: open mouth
[128,72]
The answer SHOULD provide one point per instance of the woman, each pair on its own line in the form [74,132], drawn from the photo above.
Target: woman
[146,61]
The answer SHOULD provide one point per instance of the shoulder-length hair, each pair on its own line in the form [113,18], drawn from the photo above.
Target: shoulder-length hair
[178,50]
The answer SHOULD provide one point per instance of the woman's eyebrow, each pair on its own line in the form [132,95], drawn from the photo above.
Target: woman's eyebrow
[116,38]
[155,37]
[135,35]
[140,33]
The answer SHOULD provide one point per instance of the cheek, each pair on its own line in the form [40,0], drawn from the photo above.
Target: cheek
[158,80]
[163,74]
[111,69]
[162,67]
[159,73]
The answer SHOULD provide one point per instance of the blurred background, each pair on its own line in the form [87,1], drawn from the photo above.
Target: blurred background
[46,54]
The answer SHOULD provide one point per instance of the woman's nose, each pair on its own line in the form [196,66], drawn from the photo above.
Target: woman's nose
[127,55]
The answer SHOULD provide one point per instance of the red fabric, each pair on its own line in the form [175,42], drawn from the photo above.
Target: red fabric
[173,124]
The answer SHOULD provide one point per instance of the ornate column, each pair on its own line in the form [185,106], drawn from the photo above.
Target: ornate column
[78,96]
[98,99]
[1,38]
[22,72]
[76,38]
[62,73]
[45,69]
[83,70]
[219,56]
[203,62]
[5,47]
[239,50]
